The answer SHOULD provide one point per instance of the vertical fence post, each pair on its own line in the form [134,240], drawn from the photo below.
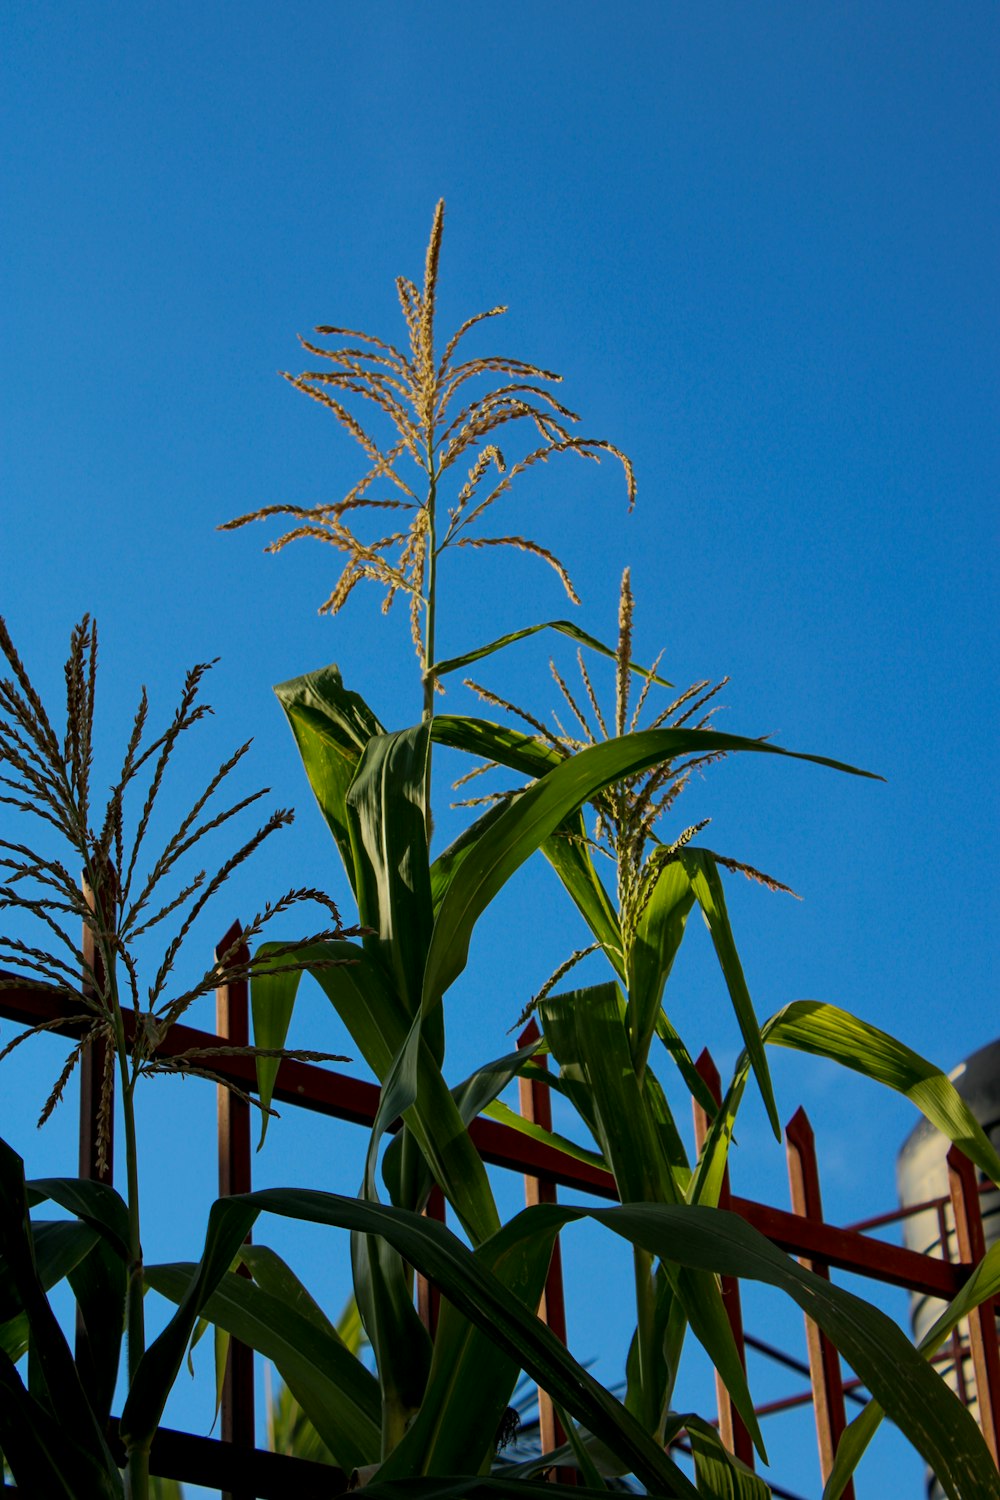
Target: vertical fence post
[428,1296]
[732,1428]
[958,1350]
[232,1021]
[964,1187]
[536,1107]
[824,1361]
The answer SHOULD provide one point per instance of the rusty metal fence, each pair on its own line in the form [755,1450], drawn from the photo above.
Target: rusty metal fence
[234,1465]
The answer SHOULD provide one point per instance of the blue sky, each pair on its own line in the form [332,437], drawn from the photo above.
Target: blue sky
[759,242]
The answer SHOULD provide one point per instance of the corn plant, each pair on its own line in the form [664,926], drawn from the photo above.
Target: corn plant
[440,1404]
[54,1427]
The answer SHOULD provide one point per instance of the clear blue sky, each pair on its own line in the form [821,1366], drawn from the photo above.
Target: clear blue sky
[761,244]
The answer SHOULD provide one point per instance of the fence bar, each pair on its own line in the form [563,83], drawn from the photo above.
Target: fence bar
[536,1107]
[732,1428]
[257,1471]
[824,1361]
[232,1021]
[428,1295]
[957,1353]
[964,1187]
[341,1097]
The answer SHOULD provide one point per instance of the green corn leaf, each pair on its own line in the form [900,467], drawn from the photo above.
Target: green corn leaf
[14,1337]
[331,727]
[706,1182]
[373,1014]
[482,1087]
[508,747]
[96,1203]
[274,1276]
[564,627]
[826,1031]
[221,1344]
[399,1340]
[504,1115]
[917,1400]
[353,981]
[536,815]
[434,1251]
[504,846]
[679,1054]
[449,862]
[41,1456]
[591,1474]
[339,1396]
[414,1089]
[272,1001]
[652,950]
[668,1330]
[385,816]
[78,1444]
[290,1430]
[229,1222]
[471,1380]
[59,1245]
[98,1282]
[473,1097]
[568,852]
[586,1032]
[700,1238]
[357,987]
[350,1329]
[706,886]
[982,1284]
[720,1476]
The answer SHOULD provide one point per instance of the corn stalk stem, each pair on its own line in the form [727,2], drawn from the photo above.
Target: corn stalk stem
[645,1310]
[137,1458]
[430,604]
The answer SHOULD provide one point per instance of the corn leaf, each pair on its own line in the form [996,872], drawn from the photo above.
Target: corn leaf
[331,728]
[59,1245]
[386,821]
[229,1222]
[706,886]
[504,1115]
[654,947]
[471,1380]
[339,1396]
[982,1284]
[95,1203]
[564,627]
[720,1476]
[916,1399]
[538,812]
[98,1283]
[826,1031]
[75,1451]
[586,1032]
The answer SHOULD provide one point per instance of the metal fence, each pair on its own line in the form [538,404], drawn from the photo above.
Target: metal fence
[234,1465]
